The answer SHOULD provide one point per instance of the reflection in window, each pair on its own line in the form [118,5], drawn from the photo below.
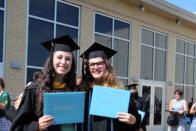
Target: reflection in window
[64,15]
[153,55]
[35,39]
[146,63]
[123,49]
[103,24]
[105,40]
[43,26]
[185,62]
[42,8]
[179,72]
[62,30]
[121,29]
[147,37]
[1,34]
[115,33]
[2,2]
[158,106]
[146,93]
[160,66]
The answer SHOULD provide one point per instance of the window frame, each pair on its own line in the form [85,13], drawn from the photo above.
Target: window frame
[185,55]
[118,38]
[154,51]
[4,9]
[55,23]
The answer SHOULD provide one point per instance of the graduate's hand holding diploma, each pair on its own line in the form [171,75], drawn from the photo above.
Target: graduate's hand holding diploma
[126,118]
[45,121]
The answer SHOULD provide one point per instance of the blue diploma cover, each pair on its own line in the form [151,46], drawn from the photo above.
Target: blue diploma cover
[142,114]
[107,102]
[66,107]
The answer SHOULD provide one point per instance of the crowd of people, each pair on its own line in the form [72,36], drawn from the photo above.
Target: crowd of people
[59,75]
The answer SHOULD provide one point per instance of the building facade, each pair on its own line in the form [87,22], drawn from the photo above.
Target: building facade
[155,40]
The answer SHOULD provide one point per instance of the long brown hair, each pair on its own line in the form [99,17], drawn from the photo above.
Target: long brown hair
[46,80]
[110,78]
[2,83]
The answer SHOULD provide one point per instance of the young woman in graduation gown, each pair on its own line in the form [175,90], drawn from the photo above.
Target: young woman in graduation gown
[58,75]
[98,71]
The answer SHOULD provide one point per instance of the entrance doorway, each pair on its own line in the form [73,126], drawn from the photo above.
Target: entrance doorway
[154,95]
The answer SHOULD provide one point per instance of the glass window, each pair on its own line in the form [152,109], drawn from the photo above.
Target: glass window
[146,67]
[185,67]
[190,49]
[158,106]
[1,35]
[103,24]
[46,30]
[187,52]
[161,41]
[189,93]
[180,47]
[62,30]
[2,3]
[160,66]
[189,71]
[147,37]
[105,40]
[115,33]
[121,57]
[42,8]
[180,64]
[42,21]
[121,29]
[153,55]
[179,87]
[64,15]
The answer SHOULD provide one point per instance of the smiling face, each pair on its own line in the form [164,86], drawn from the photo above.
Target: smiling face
[62,62]
[97,68]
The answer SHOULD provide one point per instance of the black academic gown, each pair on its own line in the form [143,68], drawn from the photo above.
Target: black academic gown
[98,123]
[26,118]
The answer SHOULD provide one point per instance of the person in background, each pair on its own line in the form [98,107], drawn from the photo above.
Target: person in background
[139,101]
[5,102]
[36,77]
[189,115]
[58,75]
[179,106]
[98,71]
[12,110]
[193,112]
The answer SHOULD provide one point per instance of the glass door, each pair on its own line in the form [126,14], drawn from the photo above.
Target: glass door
[154,95]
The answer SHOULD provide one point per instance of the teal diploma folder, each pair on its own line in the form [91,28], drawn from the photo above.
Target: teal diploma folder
[107,102]
[66,107]
[142,114]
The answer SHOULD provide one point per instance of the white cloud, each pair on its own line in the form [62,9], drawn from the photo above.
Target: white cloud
[194,13]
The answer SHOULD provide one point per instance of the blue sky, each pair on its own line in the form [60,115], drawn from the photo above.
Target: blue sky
[189,5]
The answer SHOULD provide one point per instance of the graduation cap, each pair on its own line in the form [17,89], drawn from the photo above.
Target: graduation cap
[98,50]
[62,43]
[132,86]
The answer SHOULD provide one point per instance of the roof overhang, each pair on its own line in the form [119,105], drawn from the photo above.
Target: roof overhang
[172,9]
[167,10]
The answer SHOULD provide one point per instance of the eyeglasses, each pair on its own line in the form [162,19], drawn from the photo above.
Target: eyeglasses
[99,64]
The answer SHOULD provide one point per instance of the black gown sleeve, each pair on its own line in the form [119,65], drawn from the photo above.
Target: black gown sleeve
[26,118]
